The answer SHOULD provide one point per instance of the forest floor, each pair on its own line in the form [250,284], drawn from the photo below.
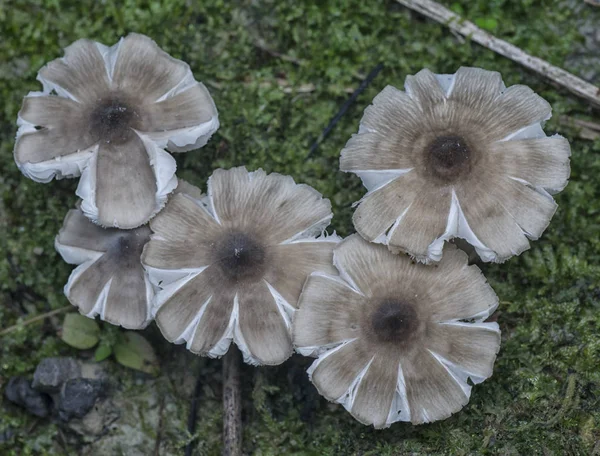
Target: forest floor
[279,71]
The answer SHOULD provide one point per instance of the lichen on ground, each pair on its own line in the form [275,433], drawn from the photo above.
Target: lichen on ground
[278,71]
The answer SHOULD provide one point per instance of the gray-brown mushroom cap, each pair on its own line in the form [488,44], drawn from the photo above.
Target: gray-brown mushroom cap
[231,265]
[107,113]
[110,280]
[456,156]
[397,340]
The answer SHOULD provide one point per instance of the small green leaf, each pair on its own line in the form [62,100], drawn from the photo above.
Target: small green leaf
[136,352]
[79,331]
[458,9]
[489,24]
[102,352]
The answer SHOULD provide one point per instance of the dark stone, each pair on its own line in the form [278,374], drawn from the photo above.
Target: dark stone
[78,397]
[20,392]
[51,373]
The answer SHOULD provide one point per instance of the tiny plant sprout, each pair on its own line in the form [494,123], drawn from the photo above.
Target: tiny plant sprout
[397,340]
[460,156]
[107,113]
[110,280]
[231,265]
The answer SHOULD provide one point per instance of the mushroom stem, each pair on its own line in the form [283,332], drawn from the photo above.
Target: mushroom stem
[232,407]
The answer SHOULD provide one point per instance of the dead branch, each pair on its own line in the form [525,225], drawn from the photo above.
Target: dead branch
[586,129]
[35,319]
[441,14]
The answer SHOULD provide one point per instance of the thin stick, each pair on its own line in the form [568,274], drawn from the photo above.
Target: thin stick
[439,13]
[262,45]
[232,403]
[580,123]
[363,85]
[34,320]
[193,416]
[587,129]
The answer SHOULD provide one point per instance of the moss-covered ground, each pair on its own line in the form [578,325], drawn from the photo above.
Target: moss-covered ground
[278,71]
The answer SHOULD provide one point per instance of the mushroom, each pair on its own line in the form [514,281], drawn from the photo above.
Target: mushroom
[231,265]
[110,280]
[397,340]
[106,113]
[456,156]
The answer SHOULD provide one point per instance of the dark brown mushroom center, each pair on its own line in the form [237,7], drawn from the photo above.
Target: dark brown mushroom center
[241,257]
[394,321]
[127,247]
[112,120]
[448,157]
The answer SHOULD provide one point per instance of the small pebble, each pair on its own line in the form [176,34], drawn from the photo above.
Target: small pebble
[78,397]
[20,392]
[51,373]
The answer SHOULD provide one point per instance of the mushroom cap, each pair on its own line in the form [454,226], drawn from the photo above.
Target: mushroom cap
[109,280]
[456,156]
[231,265]
[397,340]
[107,113]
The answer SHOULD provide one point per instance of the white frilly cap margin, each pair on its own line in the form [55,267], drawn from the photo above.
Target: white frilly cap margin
[85,258]
[83,162]
[171,281]
[400,410]
[457,225]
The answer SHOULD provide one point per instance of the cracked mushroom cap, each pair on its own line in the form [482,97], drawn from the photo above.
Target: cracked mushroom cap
[397,340]
[109,280]
[231,265]
[107,113]
[452,156]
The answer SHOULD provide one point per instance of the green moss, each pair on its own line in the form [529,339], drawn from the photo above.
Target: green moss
[544,396]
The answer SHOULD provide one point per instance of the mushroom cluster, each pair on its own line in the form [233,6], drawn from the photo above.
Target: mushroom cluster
[454,156]
[107,113]
[250,261]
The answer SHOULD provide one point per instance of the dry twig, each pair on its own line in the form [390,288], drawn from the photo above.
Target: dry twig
[34,320]
[441,14]
[361,88]
[263,46]
[586,129]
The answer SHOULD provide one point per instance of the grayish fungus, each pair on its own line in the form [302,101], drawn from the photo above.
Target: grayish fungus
[456,156]
[110,280]
[106,113]
[397,340]
[231,265]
